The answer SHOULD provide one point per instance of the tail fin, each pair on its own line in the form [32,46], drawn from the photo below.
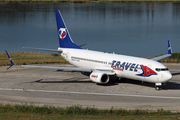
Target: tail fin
[12,63]
[169,48]
[65,40]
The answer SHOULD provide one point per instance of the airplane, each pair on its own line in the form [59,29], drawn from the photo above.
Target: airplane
[101,66]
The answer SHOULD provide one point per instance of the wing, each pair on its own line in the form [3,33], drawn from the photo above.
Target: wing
[108,72]
[161,57]
[58,68]
[164,56]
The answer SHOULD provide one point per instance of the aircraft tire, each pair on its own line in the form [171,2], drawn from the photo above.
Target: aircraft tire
[158,88]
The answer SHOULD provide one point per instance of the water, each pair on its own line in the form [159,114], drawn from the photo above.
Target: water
[137,29]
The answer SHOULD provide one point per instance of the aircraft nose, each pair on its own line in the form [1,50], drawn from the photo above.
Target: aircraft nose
[168,76]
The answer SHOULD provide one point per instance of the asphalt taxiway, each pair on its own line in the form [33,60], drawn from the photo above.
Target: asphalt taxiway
[62,88]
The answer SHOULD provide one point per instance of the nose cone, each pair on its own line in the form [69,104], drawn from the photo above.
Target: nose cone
[167,77]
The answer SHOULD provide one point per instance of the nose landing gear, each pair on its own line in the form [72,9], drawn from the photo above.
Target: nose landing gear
[158,86]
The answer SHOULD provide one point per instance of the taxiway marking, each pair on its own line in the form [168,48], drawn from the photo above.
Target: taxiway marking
[86,93]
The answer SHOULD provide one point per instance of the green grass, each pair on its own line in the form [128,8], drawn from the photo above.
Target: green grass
[8,111]
[86,1]
[24,58]
[175,58]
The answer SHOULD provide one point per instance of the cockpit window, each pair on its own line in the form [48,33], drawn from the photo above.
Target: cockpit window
[162,69]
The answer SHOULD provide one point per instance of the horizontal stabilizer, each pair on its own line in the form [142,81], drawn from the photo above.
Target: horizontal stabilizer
[82,45]
[52,50]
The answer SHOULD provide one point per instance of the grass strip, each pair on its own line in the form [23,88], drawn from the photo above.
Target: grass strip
[85,1]
[24,111]
[175,58]
[26,58]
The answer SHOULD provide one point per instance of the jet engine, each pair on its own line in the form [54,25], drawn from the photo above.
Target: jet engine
[99,77]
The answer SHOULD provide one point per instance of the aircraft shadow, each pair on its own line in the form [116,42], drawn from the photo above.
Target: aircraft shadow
[116,81]
[173,74]
[171,86]
[74,80]
[168,86]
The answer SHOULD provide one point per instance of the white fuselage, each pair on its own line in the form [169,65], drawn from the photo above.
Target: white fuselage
[125,66]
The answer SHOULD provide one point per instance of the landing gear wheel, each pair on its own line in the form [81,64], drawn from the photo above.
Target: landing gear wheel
[158,88]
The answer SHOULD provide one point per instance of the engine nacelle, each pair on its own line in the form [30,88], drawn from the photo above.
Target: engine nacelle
[99,77]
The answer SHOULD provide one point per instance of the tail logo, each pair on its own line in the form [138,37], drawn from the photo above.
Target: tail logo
[62,33]
[169,48]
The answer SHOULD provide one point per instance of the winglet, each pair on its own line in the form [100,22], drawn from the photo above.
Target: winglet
[166,55]
[12,63]
[169,48]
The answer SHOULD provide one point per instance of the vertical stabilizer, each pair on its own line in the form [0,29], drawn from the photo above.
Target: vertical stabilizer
[65,40]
